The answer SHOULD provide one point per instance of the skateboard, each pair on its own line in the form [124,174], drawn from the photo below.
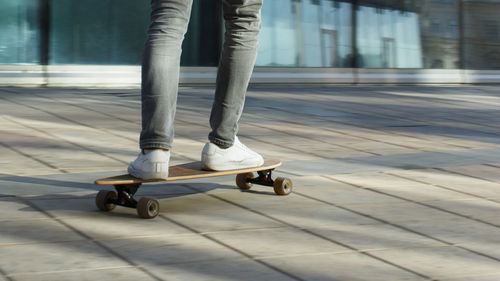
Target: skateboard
[126,185]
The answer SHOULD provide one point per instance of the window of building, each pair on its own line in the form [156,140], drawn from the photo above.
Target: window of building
[436,26]
[20,36]
[490,29]
[453,29]
[305,33]
[113,32]
[409,34]
[388,39]
[481,34]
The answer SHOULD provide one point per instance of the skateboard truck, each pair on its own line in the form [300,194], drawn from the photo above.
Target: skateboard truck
[126,195]
[282,186]
[264,178]
[106,200]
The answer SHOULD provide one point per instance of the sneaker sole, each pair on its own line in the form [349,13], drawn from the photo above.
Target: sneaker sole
[230,166]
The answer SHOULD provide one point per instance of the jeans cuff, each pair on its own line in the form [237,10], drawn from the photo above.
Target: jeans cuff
[152,144]
[220,143]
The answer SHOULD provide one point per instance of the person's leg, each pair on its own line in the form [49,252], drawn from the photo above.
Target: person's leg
[225,151]
[242,22]
[160,79]
[160,71]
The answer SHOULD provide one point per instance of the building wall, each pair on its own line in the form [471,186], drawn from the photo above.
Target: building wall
[49,37]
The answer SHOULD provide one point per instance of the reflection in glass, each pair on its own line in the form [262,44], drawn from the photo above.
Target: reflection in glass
[113,32]
[19,31]
[305,33]
[202,44]
[388,38]
[440,40]
[409,34]
[97,31]
[482,34]
[295,33]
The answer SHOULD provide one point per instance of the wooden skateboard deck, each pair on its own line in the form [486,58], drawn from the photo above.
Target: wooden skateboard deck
[185,172]
[126,185]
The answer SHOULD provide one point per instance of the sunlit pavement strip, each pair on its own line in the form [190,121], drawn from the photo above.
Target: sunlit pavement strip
[391,183]
[382,163]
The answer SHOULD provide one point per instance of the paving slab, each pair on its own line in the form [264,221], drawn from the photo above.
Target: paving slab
[481,277]
[204,213]
[379,163]
[375,179]
[371,237]
[35,231]
[441,262]
[293,209]
[424,193]
[278,151]
[345,266]
[45,184]
[325,167]
[13,163]
[474,208]
[108,226]
[330,190]
[396,187]
[493,220]
[258,197]
[14,209]
[379,148]
[453,181]
[48,257]
[83,206]
[491,249]
[237,269]
[401,212]
[486,153]
[458,230]
[277,242]
[187,147]
[59,152]
[121,273]
[479,171]
[458,133]
[171,249]
[320,216]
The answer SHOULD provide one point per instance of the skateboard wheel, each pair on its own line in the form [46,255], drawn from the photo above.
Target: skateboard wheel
[242,181]
[282,186]
[148,208]
[102,200]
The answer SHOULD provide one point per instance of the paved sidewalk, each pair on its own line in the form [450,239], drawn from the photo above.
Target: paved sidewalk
[391,183]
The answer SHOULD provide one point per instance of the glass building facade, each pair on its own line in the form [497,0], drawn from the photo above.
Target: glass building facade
[372,34]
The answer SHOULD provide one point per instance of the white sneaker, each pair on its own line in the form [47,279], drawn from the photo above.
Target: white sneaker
[238,156]
[150,164]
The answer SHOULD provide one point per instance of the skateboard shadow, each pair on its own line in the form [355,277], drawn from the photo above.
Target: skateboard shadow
[76,205]
[205,188]
[83,205]
[26,185]
[63,197]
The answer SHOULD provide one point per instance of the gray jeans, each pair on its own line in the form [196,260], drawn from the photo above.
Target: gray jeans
[160,69]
